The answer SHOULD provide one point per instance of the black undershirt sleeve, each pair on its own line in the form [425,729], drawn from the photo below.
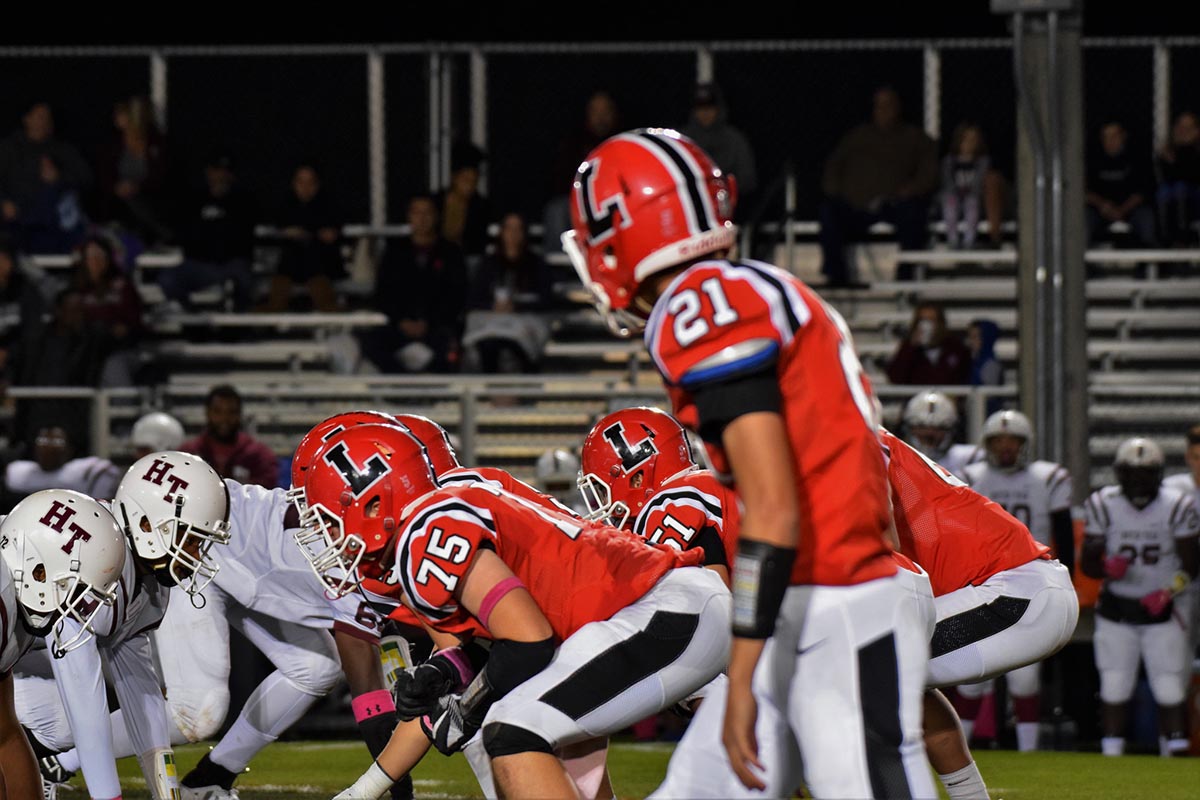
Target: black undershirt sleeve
[718,404]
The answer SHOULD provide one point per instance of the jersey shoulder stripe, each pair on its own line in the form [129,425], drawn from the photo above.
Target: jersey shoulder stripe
[685,495]
[452,506]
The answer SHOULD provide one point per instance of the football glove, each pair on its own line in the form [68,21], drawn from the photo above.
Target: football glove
[418,689]
[453,726]
[1116,566]
[1156,603]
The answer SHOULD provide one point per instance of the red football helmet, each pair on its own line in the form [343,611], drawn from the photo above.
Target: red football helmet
[436,441]
[357,485]
[644,201]
[316,438]
[627,456]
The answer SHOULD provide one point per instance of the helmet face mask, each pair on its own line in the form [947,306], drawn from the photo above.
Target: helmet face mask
[929,421]
[65,552]
[1007,438]
[643,202]
[1138,466]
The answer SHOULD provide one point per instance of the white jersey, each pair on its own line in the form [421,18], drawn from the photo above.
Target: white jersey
[93,476]
[960,455]
[264,570]
[1030,494]
[1184,482]
[15,638]
[1146,537]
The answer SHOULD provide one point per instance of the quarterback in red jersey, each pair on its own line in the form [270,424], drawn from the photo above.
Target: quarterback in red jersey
[583,617]
[765,372]
[638,472]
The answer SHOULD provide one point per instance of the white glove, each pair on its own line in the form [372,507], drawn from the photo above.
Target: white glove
[373,784]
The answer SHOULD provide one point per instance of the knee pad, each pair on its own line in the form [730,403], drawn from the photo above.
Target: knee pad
[1116,686]
[200,718]
[1024,682]
[974,690]
[502,739]
[1168,688]
[316,676]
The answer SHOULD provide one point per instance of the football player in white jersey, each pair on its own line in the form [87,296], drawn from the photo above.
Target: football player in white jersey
[61,556]
[1038,494]
[263,587]
[1190,482]
[1143,539]
[170,509]
[54,466]
[929,423]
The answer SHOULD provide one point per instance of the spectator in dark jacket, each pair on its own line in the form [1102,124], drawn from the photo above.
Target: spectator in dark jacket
[112,308]
[464,212]
[217,235]
[930,355]
[311,248]
[728,146]
[22,307]
[421,285]
[132,173]
[1119,189]
[1178,168]
[231,451]
[42,179]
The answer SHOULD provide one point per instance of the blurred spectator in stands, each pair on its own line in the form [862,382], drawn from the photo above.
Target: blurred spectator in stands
[311,246]
[970,185]
[728,146]
[22,306]
[54,465]
[883,170]
[111,307]
[503,325]
[986,369]
[601,120]
[1189,480]
[229,449]
[1178,173]
[217,236]
[930,355]
[1119,189]
[42,179]
[155,431]
[421,285]
[465,213]
[132,173]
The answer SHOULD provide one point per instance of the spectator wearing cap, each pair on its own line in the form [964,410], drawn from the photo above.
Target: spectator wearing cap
[229,449]
[710,128]
[217,236]
[464,211]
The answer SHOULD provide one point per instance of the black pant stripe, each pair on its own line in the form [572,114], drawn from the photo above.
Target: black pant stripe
[616,669]
[976,624]
[879,693]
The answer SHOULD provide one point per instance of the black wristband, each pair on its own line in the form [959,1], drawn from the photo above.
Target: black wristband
[761,574]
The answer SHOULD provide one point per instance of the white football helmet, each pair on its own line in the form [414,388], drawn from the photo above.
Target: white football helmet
[1010,423]
[157,431]
[174,508]
[556,467]
[65,552]
[1139,469]
[929,421]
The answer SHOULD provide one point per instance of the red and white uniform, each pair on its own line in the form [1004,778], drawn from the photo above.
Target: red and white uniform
[502,480]
[641,627]
[849,617]
[684,506]
[1001,601]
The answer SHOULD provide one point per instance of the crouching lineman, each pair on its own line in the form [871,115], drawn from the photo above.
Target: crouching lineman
[172,508]
[592,630]
[58,570]
[263,587]
[1141,538]
[1000,601]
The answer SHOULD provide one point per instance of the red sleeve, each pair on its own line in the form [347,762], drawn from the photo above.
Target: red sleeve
[719,321]
[434,553]
[671,524]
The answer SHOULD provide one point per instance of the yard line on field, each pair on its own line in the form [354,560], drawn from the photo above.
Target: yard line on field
[283,787]
[327,746]
[654,747]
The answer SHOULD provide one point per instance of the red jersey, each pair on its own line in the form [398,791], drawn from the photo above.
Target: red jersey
[959,536]
[685,505]
[502,480]
[578,572]
[720,320]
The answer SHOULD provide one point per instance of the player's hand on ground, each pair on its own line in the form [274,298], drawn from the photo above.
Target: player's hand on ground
[741,713]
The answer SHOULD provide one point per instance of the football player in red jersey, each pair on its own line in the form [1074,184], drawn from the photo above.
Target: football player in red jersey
[765,372]
[1000,601]
[592,630]
[638,472]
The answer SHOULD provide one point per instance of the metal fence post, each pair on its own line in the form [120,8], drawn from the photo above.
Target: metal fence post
[479,106]
[101,416]
[468,426]
[933,92]
[376,138]
[435,125]
[158,87]
[1162,92]
[704,65]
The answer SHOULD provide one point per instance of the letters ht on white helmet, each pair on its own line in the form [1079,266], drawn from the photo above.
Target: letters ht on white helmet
[174,508]
[929,420]
[1007,423]
[65,552]
[642,202]
[1139,468]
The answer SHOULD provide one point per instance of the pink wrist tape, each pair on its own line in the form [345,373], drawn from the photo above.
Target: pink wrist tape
[371,704]
[461,664]
[495,595]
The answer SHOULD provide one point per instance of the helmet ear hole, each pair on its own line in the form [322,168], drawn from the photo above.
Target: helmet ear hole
[39,573]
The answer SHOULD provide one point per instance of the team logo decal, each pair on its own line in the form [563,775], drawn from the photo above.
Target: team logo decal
[599,215]
[161,471]
[632,456]
[58,518]
[359,479]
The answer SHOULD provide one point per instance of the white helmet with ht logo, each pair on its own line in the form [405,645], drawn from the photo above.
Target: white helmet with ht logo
[174,508]
[65,552]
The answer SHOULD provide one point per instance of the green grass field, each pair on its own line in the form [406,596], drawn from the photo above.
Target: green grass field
[321,769]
